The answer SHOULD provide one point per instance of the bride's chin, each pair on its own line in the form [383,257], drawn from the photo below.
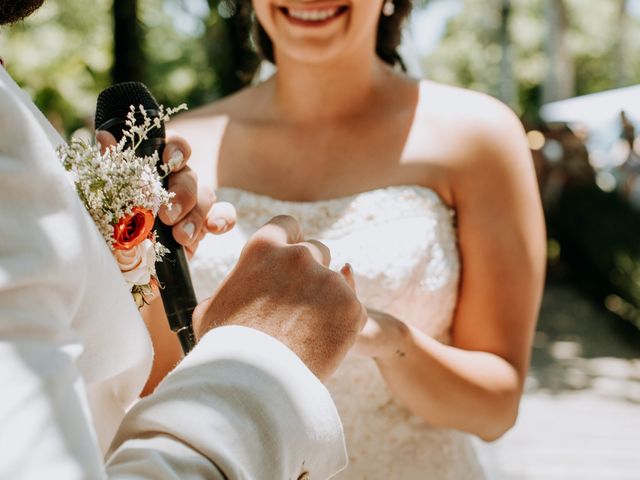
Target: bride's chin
[313,55]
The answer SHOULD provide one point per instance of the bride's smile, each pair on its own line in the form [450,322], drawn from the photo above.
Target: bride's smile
[319,31]
[314,16]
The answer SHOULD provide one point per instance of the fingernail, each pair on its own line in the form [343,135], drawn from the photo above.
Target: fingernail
[189,229]
[174,212]
[349,268]
[175,159]
[220,224]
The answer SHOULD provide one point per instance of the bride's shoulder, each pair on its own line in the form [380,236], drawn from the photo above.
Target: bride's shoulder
[482,138]
[463,106]
[486,130]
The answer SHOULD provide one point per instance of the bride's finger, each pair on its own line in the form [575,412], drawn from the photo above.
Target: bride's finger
[319,250]
[176,152]
[105,140]
[221,218]
[347,274]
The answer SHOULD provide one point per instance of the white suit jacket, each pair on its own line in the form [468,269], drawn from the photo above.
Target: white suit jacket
[74,354]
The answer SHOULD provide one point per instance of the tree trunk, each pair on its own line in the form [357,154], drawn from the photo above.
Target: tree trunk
[507,82]
[622,71]
[560,80]
[129,60]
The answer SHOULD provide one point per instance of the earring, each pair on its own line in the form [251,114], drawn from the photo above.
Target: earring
[389,8]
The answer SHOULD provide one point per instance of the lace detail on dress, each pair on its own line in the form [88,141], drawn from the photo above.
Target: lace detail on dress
[402,244]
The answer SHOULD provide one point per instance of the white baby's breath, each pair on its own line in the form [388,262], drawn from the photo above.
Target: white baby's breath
[113,183]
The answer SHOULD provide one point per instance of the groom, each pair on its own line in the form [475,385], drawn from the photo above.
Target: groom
[247,402]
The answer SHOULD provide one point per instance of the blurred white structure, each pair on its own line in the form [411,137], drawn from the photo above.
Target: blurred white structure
[595,109]
[608,135]
[599,116]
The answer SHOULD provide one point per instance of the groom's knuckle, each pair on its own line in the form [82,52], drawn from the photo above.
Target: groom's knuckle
[331,288]
[280,219]
[345,299]
[259,247]
[348,306]
[289,225]
[299,256]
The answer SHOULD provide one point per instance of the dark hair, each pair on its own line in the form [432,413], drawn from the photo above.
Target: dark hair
[15,10]
[387,43]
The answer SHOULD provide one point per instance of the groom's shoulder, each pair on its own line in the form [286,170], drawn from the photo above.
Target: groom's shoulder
[16,121]
[10,105]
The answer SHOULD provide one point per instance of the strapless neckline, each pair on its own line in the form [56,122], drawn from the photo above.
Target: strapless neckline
[420,190]
[335,217]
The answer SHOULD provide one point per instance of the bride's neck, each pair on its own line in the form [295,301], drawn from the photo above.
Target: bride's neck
[346,88]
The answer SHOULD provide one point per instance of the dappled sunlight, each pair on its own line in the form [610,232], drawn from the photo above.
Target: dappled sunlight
[579,346]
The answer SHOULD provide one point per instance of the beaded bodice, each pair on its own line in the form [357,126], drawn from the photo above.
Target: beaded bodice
[402,244]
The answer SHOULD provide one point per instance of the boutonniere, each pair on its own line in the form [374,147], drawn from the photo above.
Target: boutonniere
[123,193]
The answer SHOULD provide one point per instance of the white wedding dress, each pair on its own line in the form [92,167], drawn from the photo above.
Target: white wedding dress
[402,244]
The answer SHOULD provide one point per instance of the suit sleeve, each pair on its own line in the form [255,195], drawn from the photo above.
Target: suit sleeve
[240,406]
[45,429]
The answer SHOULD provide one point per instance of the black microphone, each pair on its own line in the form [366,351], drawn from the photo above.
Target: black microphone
[178,297]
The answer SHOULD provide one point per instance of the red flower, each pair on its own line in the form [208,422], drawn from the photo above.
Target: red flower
[133,229]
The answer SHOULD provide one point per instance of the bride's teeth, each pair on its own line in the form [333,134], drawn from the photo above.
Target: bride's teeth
[313,15]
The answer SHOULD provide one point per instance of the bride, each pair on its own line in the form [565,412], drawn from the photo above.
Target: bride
[427,190]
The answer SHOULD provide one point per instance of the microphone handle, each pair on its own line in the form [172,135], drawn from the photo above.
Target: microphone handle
[176,288]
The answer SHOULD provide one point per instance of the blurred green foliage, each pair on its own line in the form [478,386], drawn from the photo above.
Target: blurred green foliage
[62,56]
[470,53]
[193,49]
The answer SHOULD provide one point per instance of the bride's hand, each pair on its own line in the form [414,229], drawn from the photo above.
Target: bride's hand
[382,334]
[194,211]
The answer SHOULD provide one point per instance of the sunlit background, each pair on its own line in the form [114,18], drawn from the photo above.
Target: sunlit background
[580,418]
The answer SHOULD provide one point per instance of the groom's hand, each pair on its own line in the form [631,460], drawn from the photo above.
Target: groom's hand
[282,286]
[194,212]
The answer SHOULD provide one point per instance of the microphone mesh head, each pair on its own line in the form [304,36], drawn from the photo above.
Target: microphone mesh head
[115,103]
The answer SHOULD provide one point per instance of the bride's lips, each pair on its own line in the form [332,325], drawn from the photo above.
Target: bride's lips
[313,16]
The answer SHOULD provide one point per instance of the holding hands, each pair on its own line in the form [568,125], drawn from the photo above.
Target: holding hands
[382,334]
[282,286]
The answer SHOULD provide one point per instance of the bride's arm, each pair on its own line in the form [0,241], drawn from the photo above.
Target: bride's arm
[192,138]
[166,347]
[475,384]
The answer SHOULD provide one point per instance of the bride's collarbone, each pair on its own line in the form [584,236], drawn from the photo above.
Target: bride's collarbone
[302,179]
[310,164]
